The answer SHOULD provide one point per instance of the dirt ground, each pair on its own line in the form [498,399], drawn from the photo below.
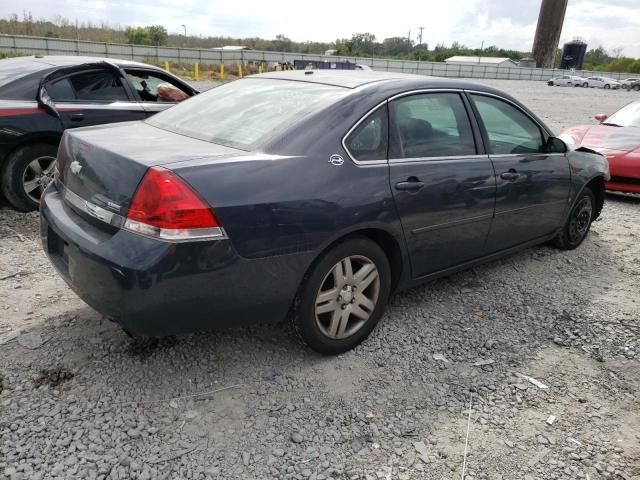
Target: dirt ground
[544,347]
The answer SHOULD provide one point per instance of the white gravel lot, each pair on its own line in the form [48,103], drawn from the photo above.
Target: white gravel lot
[79,399]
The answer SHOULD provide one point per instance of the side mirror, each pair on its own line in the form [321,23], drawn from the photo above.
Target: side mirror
[555,145]
[601,117]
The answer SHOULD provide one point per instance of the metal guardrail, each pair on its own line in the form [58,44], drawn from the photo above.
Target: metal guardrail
[57,46]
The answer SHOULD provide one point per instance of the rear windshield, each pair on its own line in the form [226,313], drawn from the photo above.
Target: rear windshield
[13,68]
[241,113]
[628,116]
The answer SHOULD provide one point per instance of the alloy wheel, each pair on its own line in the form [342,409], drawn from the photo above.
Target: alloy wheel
[38,174]
[347,297]
[580,220]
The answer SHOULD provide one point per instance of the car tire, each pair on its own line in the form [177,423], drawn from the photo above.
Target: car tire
[636,87]
[578,223]
[335,310]
[607,86]
[28,166]
[585,85]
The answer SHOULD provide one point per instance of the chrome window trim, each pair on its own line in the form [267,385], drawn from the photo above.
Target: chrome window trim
[478,156]
[535,154]
[354,127]
[427,90]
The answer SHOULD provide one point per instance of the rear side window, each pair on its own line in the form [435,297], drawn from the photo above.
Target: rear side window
[369,140]
[97,85]
[430,125]
[61,90]
[510,131]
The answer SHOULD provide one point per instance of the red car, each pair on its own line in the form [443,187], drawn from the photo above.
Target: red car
[617,138]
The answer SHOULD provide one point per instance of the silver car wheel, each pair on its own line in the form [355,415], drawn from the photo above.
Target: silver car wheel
[38,174]
[347,297]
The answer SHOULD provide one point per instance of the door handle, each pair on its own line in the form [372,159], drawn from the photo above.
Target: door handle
[510,175]
[77,117]
[411,185]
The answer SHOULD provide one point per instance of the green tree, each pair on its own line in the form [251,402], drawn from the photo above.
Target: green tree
[137,36]
[157,35]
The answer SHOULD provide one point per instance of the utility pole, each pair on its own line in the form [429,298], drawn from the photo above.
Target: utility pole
[481,49]
[419,45]
[409,40]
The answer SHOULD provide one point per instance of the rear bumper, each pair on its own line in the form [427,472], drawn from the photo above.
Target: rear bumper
[152,287]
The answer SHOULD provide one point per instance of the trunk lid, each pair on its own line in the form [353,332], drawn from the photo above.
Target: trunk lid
[104,165]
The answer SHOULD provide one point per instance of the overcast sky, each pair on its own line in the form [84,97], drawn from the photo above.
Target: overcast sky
[504,23]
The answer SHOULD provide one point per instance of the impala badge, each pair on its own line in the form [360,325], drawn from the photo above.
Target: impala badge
[75,167]
[336,160]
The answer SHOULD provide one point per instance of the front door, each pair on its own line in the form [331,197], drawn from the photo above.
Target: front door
[532,186]
[93,97]
[443,187]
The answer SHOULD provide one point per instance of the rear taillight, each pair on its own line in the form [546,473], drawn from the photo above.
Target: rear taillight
[165,207]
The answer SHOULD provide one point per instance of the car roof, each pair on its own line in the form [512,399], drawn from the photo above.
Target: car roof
[48,61]
[358,78]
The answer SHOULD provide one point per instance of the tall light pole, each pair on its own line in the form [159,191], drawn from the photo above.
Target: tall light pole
[185,34]
[419,45]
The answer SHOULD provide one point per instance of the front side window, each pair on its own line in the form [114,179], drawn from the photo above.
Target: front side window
[93,86]
[430,125]
[510,131]
[369,140]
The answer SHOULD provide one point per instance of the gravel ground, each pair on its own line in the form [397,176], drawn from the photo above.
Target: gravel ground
[458,357]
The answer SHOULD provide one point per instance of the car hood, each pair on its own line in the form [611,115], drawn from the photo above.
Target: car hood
[605,137]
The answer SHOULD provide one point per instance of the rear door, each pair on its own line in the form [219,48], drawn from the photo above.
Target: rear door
[93,97]
[442,182]
[532,186]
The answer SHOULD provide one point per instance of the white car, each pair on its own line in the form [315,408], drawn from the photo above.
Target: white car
[602,82]
[360,66]
[567,81]
[626,83]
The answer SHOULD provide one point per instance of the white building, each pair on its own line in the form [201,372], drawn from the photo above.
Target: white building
[495,61]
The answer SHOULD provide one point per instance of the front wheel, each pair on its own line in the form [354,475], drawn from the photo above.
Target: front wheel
[607,86]
[578,223]
[26,173]
[343,297]
[585,85]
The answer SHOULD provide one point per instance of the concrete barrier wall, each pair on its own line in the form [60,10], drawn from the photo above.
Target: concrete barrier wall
[56,46]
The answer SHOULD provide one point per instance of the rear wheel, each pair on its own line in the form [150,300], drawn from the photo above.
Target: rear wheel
[636,87]
[343,297]
[585,85]
[26,173]
[578,223]
[607,86]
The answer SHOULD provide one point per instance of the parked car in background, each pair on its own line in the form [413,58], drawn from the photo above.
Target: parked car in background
[601,82]
[309,193]
[627,82]
[40,97]
[567,81]
[618,138]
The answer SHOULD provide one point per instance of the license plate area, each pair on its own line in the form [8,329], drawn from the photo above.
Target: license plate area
[58,250]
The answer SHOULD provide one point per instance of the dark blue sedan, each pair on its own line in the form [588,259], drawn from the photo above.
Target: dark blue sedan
[308,194]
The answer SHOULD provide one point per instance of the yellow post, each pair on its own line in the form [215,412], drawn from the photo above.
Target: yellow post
[196,72]
[166,66]
[239,70]
[260,68]
[222,71]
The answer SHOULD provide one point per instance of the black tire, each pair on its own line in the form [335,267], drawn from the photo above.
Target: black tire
[636,87]
[607,86]
[578,223]
[585,85]
[14,170]
[304,319]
